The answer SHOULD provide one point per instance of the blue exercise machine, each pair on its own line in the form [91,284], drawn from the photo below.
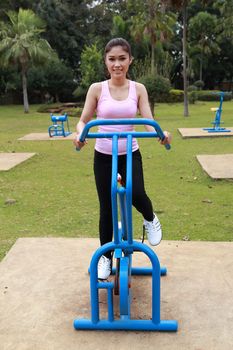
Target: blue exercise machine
[217,122]
[58,127]
[123,245]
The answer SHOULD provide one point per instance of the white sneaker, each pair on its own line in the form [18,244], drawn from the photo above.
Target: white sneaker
[153,230]
[104,268]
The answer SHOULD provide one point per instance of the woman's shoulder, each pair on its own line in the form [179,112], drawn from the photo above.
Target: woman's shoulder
[96,86]
[140,88]
[95,89]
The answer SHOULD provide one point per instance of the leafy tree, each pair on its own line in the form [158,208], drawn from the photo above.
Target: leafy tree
[202,34]
[60,79]
[225,24]
[21,45]
[15,5]
[120,27]
[220,66]
[10,83]
[55,79]
[67,27]
[140,68]
[101,25]
[92,68]
[151,22]
[158,88]
[182,5]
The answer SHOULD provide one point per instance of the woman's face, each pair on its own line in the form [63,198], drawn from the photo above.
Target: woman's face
[117,61]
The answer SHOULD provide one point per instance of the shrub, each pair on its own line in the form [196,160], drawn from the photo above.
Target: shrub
[60,108]
[46,107]
[192,97]
[80,93]
[192,88]
[157,87]
[73,112]
[175,96]
[212,95]
[199,84]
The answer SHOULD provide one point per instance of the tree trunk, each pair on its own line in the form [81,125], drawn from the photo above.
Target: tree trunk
[201,64]
[186,110]
[152,106]
[152,58]
[25,93]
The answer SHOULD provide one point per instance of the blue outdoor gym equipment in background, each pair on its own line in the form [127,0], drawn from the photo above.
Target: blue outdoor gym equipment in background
[217,122]
[58,127]
[123,245]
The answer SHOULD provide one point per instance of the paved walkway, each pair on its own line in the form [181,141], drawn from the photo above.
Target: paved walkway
[44,286]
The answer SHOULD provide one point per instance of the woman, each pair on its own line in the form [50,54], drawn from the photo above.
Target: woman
[118,97]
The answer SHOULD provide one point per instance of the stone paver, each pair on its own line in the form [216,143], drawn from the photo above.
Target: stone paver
[44,286]
[199,132]
[36,136]
[10,160]
[218,166]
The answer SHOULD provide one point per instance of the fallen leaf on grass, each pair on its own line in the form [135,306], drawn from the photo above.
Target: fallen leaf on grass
[186,238]
[207,201]
[10,201]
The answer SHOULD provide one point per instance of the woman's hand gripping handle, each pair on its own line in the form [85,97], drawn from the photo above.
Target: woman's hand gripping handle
[79,142]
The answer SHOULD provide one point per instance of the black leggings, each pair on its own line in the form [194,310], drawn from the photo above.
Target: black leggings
[103,175]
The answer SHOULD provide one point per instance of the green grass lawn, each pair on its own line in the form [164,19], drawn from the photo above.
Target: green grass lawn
[55,191]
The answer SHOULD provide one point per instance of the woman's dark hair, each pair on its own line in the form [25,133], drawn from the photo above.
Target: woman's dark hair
[118,42]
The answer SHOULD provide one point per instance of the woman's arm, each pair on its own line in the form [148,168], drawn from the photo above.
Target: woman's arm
[145,110]
[143,104]
[88,111]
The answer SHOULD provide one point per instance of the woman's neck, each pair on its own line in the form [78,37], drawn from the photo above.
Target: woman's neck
[118,82]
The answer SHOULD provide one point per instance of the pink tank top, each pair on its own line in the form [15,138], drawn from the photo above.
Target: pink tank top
[109,108]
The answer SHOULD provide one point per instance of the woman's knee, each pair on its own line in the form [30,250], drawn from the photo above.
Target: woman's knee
[139,198]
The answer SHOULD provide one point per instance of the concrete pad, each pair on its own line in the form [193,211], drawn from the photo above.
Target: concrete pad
[44,286]
[218,166]
[44,136]
[199,132]
[10,160]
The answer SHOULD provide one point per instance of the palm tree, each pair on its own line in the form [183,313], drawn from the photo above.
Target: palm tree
[22,45]
[152,23]
[225,26]
[203,36]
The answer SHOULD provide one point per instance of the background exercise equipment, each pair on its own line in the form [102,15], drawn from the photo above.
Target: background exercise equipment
[58,127]
[218,113]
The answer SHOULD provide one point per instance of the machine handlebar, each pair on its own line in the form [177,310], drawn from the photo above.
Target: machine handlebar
[139,121]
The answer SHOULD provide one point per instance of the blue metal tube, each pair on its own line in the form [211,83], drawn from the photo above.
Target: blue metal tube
[109,286]
[143,271]
[147,271]
[110,305]
[155,276]
[94,289]
[114,188]
[139,121]
[105,285]
[122,134]
[129,189]
[122,197]
[128,324]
